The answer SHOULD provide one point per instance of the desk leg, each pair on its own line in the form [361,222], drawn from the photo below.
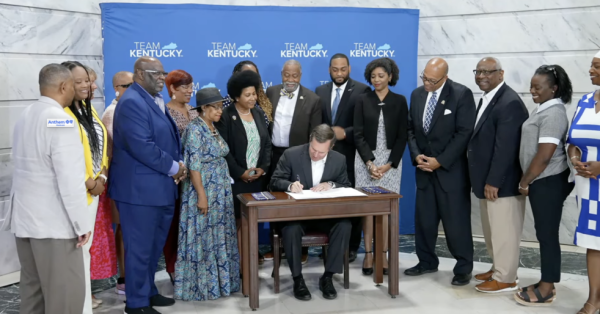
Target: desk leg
[393,279]
[378,250]
[245,251]
[253,255]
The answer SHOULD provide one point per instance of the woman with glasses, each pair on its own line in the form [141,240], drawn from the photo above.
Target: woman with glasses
[546,174]
[180,88]
[584,144]
[121,81]
[208,260]
[380,135]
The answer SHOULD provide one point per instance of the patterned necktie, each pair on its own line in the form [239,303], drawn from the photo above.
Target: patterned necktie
[285,93]
[429,112]
[336,103]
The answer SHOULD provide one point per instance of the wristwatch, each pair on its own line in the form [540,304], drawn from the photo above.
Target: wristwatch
[331,184]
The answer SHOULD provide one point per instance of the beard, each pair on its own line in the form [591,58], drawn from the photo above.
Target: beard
[339,84]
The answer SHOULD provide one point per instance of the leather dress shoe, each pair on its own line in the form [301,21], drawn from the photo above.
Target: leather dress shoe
[301,291]
[160,300]
[461,280]
[326,286]
[352,256]
[419,270]
[141,310]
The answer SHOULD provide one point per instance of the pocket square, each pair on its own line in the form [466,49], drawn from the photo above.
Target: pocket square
[447,111]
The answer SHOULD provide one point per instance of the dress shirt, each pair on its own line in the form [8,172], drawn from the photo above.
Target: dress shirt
[437,95]
[48,196]
[486,99]
[317,168]
[282,123]
[333,94]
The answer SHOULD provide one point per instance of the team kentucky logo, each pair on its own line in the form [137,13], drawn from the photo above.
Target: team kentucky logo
[155,49]
[371,50]
[303,50]
[231,50]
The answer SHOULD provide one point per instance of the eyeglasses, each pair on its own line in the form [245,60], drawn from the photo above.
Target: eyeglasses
[484,72]
[548,68]
[125,85]
[430,81]
[157,73]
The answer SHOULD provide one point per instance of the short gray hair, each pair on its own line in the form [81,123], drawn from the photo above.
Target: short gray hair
[53,74]
[496,60]
[292,62]
[323,133]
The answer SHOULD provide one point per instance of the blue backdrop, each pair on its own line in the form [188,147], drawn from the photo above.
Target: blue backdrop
[208,40]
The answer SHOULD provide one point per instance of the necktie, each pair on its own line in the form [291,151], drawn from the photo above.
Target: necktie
[336,103]
[285,93]
[429,111]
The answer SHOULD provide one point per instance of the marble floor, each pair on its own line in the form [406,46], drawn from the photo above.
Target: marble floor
[427,294]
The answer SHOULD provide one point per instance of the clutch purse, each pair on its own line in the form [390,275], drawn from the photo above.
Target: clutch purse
[263,196]
[374,190]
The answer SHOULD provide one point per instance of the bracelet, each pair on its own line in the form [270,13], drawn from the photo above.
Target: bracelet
[103,177]
[573,157]
[522,188]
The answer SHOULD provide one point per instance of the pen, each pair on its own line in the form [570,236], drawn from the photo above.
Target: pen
[298,179]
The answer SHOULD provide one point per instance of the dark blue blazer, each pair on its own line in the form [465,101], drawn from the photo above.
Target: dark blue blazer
[145,144]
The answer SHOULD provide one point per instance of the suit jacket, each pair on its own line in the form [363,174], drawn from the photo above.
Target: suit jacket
[295,162]
[145,144]
[48,195]
[366,122]
[344,117]
[233,132]
[494,145]
[449,134]
[307,114]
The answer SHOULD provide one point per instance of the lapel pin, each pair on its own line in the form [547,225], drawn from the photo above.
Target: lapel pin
[301,97]
[234,118]
[350,89]
[381,104]
[443,102]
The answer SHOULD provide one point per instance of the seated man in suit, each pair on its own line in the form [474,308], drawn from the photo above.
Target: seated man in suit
[316,166]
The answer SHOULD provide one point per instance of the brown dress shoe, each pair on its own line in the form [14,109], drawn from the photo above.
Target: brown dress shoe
[304,259]
[268,256]
[485,276]
[494,286]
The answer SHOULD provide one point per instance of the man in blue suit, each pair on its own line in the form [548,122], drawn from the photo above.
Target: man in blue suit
[145,169]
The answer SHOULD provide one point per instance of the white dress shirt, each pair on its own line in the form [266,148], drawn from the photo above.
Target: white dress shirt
[333,94]
[486,99]
[437,95]
[48,196]
[282,123]
[317,168]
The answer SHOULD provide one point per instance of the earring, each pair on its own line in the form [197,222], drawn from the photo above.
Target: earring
[204,114]
[174,97]
[552,92]
[117,94]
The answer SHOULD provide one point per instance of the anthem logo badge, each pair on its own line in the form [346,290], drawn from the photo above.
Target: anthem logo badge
[60,123]
[230,50]
[303,50]
[154,49]
[371,50]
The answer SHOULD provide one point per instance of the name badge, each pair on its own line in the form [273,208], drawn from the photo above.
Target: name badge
[60,123]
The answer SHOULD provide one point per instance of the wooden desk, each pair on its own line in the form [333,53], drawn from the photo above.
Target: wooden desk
[285,208]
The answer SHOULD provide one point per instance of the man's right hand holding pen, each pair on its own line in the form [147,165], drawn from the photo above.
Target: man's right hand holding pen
[296,187]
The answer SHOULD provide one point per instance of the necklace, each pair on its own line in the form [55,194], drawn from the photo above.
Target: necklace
[243,114]
[214,133]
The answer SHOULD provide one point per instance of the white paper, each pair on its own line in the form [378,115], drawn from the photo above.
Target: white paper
[333,193]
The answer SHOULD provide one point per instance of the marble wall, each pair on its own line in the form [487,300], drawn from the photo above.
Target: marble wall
[522,33]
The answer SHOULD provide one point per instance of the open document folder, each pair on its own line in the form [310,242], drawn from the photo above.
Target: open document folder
[333,193]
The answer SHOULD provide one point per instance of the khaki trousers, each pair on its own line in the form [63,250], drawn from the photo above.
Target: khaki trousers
[52,276]
[502,222]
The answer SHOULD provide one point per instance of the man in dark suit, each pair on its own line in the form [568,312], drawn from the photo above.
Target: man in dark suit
[296,111]
[495,174]
[440,124]
[338,98]
[317,167]
[145,169]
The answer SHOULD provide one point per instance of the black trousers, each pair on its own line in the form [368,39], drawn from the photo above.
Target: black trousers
[454,210]
[547,196]
[339,235]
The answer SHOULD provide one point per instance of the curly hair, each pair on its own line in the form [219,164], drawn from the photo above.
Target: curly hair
[388,65]
[241,80]
[263,100]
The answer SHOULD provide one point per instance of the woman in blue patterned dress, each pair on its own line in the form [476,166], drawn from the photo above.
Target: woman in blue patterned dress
[208,261]
[584,145]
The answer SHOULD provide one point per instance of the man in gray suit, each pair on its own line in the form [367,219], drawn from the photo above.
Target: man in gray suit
[48,200]
[315,166]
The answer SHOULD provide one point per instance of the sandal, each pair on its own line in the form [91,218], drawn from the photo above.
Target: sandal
[584,311]
[523,298]
[367,271]
[535,286]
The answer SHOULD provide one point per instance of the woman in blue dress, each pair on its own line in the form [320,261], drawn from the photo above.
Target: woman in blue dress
[208,261]
[584,147]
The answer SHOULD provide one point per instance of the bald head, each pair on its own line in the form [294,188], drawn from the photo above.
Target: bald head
[489,74]
[56,82]
[435,74]
[150,74]
[121,81]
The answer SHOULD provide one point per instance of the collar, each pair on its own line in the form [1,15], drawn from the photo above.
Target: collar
[114,102]
[490,95]
[158,95]
[50,101]
[549,103]
[342,87]
[324,160]
[439,90]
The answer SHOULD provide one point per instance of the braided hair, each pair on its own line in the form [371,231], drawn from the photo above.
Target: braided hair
[556,75]
[85,117]
[263,100]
